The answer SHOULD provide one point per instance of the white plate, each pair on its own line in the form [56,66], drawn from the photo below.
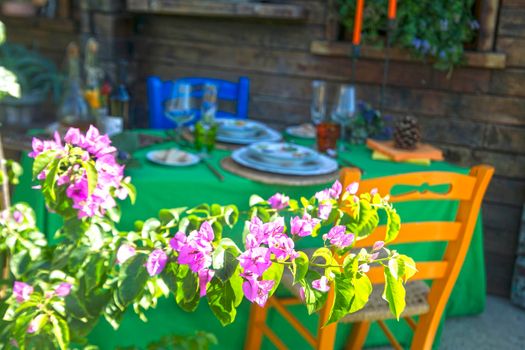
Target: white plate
[305,131]
[176,158]
[238,127]
[264,134]
[319,166]
[282,153]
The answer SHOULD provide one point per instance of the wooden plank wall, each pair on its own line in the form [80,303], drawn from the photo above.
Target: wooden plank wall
[478,115]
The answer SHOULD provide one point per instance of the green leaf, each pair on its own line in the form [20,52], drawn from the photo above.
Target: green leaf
[167,215]
[393,225]
[132,279]
[300,266]
[394,293]
[313,298]
[48,187]
[324,253]
[362,291]
[187,296]
[224,259]
[19,263]
[60,331]
[231,215]
[409,267]
[344,294]
[42,160]
[222,300]
[169,276]
[366,221]
[274,273]
[255,199]
[294,205]
[132,191]
[95,271]
[92,175]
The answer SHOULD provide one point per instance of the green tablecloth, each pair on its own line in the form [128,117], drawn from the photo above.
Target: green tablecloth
[161,187]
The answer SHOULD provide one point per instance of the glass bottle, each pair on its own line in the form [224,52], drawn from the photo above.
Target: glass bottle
[120,99]
[74,110]
[206,128]
[93,75]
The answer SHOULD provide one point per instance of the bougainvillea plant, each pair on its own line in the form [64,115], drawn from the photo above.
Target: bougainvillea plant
[437,29]
[60,291]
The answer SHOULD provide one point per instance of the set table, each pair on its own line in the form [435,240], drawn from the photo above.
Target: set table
[166,187]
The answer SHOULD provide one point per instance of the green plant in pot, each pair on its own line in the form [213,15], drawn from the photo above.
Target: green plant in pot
[436,30]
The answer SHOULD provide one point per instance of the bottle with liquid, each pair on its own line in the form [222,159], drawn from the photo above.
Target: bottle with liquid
[93,75]
[120,99]
[73,109]
[206,127]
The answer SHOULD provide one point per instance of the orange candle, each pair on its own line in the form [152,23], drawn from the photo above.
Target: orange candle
[392,9]
[358,22]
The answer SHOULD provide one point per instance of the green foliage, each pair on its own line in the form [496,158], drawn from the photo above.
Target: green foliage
[439,29]
[197,341]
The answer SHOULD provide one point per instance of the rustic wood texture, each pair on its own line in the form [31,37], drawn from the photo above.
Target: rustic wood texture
[220,9]
[488,22]
[474,115]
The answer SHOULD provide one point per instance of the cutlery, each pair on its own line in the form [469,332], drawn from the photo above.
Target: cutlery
[212,169]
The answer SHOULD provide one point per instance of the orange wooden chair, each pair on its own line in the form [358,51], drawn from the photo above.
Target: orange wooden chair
[427,303]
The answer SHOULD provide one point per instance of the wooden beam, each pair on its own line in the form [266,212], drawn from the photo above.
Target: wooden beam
[219,9]
[492,60]
[488,19]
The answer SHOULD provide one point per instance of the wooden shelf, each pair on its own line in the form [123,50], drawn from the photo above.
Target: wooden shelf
[53,24]
[491,60]
[219,9]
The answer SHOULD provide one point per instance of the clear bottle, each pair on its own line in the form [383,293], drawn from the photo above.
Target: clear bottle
[120,99]
[74,110]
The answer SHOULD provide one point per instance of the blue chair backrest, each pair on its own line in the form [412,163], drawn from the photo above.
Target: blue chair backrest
[159,91]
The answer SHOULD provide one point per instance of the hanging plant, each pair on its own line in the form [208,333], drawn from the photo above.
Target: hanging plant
[428,29]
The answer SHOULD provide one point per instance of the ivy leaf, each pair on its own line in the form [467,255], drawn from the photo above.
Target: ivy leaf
[300,266]
[394,293]
[42,161]
[393,224]
[91,174]
[61,331]
[132,279]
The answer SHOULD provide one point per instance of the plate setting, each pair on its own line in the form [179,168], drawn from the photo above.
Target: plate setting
[305,131]
[172,157]
[291,160]
[244,132]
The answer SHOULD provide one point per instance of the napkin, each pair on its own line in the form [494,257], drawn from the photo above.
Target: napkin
[376,155]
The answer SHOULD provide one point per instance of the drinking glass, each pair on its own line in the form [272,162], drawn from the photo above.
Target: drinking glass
[179,107]
[318,106]
[209,103]
[344,110]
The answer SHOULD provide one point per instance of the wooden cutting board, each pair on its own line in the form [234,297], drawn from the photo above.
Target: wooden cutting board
[422,151]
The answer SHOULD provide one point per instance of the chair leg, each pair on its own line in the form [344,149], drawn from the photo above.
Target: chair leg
[255,331]
[357,338]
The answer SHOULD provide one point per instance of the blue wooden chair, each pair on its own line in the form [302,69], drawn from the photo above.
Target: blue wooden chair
[158,93]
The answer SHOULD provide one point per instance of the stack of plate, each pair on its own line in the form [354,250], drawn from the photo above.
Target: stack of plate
[284,158]
[244,132]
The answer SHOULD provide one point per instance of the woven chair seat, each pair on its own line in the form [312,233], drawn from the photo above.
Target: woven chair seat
[377,308]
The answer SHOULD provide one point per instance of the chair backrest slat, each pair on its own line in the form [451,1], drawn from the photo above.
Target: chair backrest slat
[435,185]
[412,232]
[159,91]
[426,270]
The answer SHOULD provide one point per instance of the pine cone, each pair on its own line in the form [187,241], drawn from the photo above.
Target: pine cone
[407,133]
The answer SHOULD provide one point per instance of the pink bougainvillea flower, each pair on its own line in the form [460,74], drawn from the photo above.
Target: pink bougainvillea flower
[178,241]
[255,260]
[364,268]
[156,262]
[63,289]
[205,276]
[256,290]
[335,190]
[324,210]
[279,201]
[18,216]
[378,245]
[282,247]
[196,249]
[373,256]
[262,231]
[125,252]
[32,327]
[338,236]
[373,191]
[352,188]
[321,284]
[304,226]
[22,291]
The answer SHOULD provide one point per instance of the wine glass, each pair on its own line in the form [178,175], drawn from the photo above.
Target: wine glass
[179,107]
[344,110]
[318,106]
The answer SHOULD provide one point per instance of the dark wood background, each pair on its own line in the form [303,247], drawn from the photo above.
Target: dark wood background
[478,115]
